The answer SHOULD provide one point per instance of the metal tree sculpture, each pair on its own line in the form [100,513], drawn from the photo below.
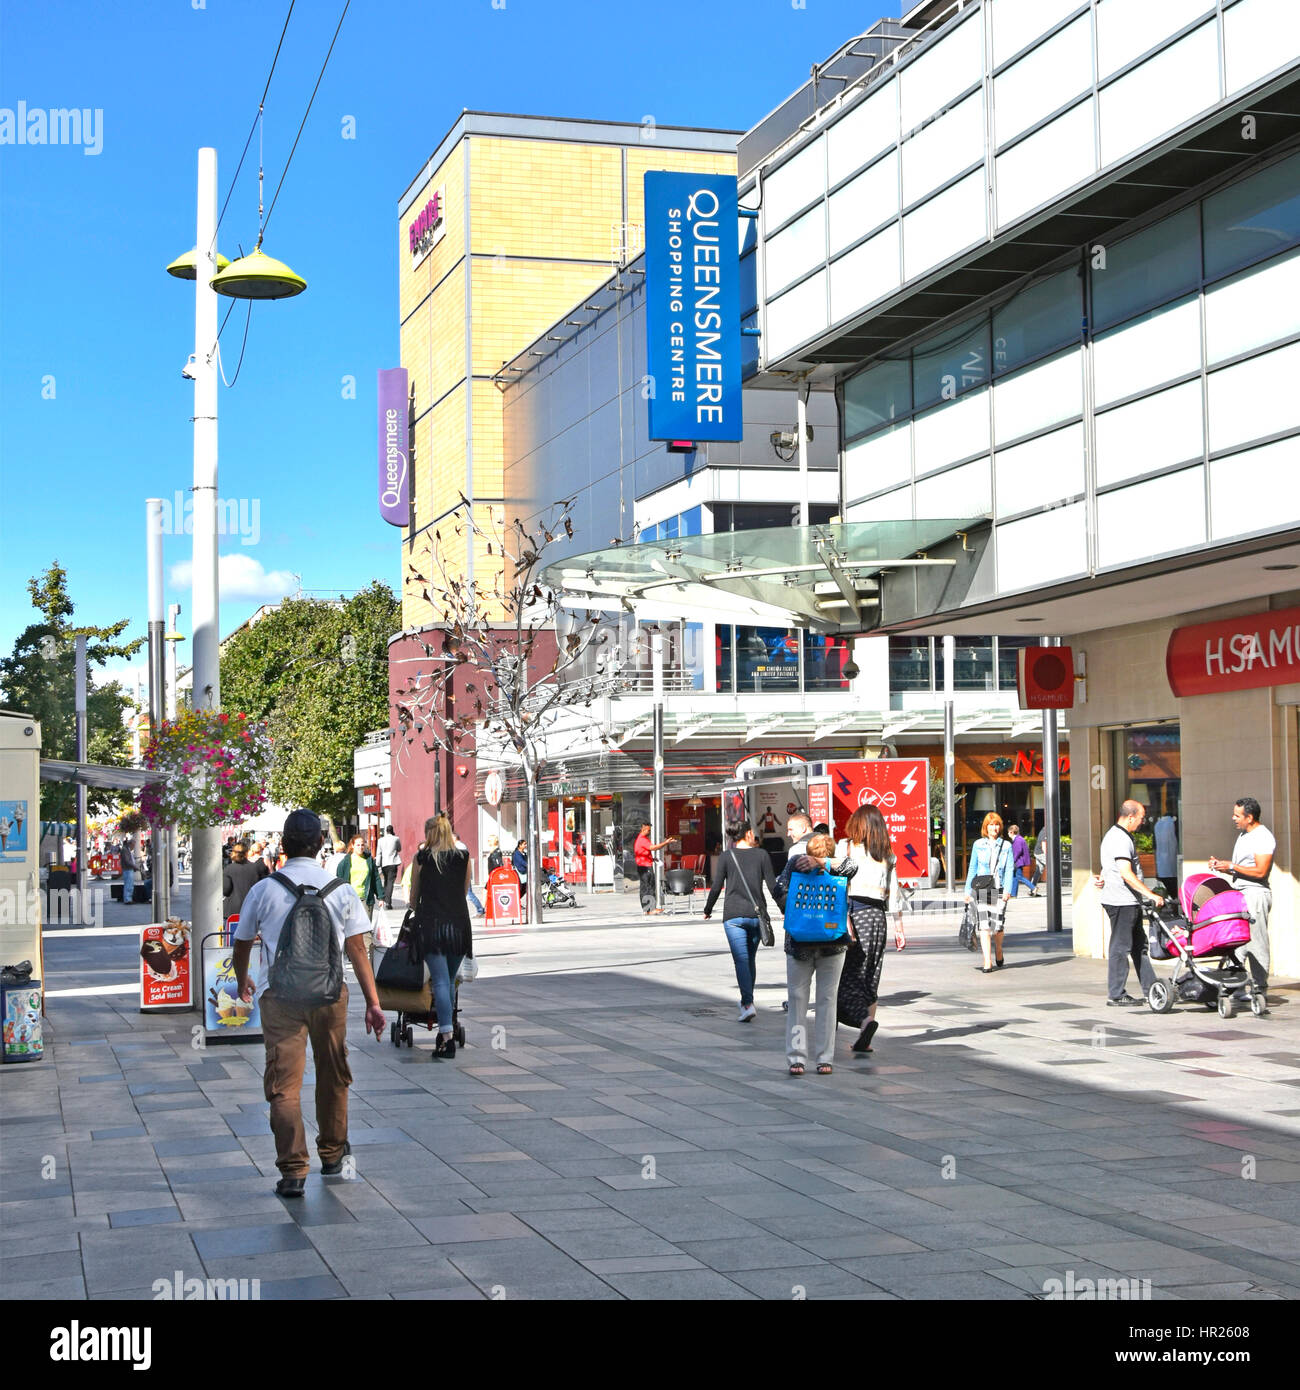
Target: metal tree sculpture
[489,687]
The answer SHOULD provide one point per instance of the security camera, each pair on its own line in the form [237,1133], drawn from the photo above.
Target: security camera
[852,670]
[188,369]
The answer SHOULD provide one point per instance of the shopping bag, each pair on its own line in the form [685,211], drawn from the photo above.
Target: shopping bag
[968,932]
[402,967]
[817,907]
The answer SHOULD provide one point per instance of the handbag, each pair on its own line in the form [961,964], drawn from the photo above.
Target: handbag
[765,932]
[967,933]
[468,971]
[817,909]
[402,967]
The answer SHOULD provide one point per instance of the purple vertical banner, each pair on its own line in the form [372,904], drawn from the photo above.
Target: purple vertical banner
[394,470]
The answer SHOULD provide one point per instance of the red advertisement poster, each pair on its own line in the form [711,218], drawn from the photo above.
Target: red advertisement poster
[165,961]
[900,787]
[819,801]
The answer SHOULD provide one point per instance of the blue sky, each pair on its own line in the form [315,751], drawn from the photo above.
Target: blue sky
[94,413]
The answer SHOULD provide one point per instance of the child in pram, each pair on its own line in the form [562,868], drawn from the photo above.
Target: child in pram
[1213,926]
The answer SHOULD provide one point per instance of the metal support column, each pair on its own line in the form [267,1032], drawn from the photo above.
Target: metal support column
[657,806]
[1052,811]
[162,859]
[80,707]
[949,766]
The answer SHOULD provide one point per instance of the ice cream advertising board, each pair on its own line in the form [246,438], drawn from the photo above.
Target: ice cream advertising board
[225,1014]
[165,966]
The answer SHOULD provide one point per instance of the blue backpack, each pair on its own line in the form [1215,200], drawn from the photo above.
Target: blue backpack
[817,908]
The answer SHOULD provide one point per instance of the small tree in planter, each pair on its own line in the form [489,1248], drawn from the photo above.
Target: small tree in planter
[490,677]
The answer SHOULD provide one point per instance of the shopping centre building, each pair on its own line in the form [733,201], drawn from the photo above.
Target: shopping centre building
[1043,256]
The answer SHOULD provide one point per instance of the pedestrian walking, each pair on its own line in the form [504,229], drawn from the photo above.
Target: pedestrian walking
[1250,866]
[744,871]
[439,882]
[470,895]
[1122,892]
[130,867]
[874,898]
[290,1021]
[388,856]
[799,828]
[989,886]
[644,854]
[823,960]
[495,858]
[1021,859]
[357,867]
[236,879]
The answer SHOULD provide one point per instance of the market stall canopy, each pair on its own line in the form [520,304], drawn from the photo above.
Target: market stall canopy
[829,578]
[122,779]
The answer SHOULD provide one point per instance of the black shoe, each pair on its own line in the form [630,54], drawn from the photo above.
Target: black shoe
[863,1043]
[290,1187]
[998,964]
[332,1170]
[1125,1001]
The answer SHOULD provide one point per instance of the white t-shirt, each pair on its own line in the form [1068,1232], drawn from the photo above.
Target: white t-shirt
[267,905]
[1252,845]
[869,881]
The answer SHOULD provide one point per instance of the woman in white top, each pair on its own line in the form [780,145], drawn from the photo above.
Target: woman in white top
[873,898]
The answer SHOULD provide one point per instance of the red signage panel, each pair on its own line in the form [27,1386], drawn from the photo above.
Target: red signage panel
[819,801]
[900,788]
[165,966]
[1235,653]
[1045,677]
[504,907]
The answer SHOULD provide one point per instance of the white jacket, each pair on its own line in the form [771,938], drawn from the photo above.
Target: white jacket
[869,881]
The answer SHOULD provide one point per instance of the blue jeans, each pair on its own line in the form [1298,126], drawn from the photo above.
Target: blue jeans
[442,976]
[471,896]
[128,885]
[1018,880]
[742,937]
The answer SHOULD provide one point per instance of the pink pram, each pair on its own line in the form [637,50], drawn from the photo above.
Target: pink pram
[1215,924]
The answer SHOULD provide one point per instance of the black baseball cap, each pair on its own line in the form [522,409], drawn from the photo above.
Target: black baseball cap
[302,824]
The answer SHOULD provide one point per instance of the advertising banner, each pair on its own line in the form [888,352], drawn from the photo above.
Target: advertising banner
[165,963]
[13,832]
[900,788]
[225,1014]
[394,470]
[693,306]
[1235,654]
[819,800]
[1045,677]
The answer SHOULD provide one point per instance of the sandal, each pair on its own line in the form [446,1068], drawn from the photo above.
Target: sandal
[825,1069]
[900,941]
[796,1068]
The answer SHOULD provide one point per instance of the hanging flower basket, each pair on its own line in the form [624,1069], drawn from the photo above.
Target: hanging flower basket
[215,767]
[129,822]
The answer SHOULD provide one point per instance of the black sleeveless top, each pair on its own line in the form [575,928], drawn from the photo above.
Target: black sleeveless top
[442,917]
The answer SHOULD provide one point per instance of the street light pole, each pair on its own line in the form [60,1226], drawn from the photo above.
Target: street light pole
[949,763]
[1052,811]
[162,860]
[657,809]
[206,649]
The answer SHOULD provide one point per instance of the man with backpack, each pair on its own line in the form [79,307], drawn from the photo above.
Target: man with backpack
[305,926]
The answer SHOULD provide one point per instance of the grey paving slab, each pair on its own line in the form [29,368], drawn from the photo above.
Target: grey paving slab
[694,1285]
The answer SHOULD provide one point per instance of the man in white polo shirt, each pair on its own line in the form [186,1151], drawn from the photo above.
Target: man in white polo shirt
[287,1025]
[1122,893]
[1249,868]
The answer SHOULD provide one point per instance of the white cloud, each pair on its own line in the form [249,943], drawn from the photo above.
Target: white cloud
[241,576]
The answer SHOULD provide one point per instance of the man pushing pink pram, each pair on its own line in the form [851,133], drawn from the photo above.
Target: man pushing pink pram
[1214,925]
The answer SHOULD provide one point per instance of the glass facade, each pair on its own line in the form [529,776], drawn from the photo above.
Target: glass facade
[981,663]
[974,132]
[1194,339]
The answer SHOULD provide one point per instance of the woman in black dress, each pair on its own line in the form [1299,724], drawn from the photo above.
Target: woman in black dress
[873,899]
[439,885]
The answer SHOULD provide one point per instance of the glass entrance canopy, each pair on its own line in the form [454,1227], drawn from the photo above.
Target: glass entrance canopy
[826,577]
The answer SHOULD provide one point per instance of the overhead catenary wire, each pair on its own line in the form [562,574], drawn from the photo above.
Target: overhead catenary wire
[346,6]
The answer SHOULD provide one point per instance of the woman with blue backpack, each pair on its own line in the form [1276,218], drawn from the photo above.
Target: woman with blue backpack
[816,939]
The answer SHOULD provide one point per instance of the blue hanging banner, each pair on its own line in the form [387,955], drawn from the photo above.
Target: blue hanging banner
[693,307]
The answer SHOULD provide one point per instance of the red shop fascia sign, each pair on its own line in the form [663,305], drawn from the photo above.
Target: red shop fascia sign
[1246,653]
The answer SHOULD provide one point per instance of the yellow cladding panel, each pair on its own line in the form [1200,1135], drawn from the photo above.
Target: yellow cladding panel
[433,341]
[641,159]
[515,301]
[414,285]
[543,197]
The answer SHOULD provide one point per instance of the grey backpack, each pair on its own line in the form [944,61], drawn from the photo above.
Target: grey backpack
[308,965]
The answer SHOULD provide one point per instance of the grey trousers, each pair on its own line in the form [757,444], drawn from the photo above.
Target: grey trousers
[798,978]
[1255,955]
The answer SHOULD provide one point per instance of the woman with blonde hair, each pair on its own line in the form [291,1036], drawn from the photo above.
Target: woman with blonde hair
[439,883]
[873,899]
[989,877]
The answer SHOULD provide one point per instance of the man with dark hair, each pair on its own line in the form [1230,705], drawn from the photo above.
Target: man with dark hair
[287,1025]
[644,853]
[1249,868]
[1121,893]
[388,856]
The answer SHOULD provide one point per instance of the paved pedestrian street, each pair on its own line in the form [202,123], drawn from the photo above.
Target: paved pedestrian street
[612,1132]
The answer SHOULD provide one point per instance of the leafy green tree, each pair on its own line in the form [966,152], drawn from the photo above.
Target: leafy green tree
[39,678]
[317,671]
